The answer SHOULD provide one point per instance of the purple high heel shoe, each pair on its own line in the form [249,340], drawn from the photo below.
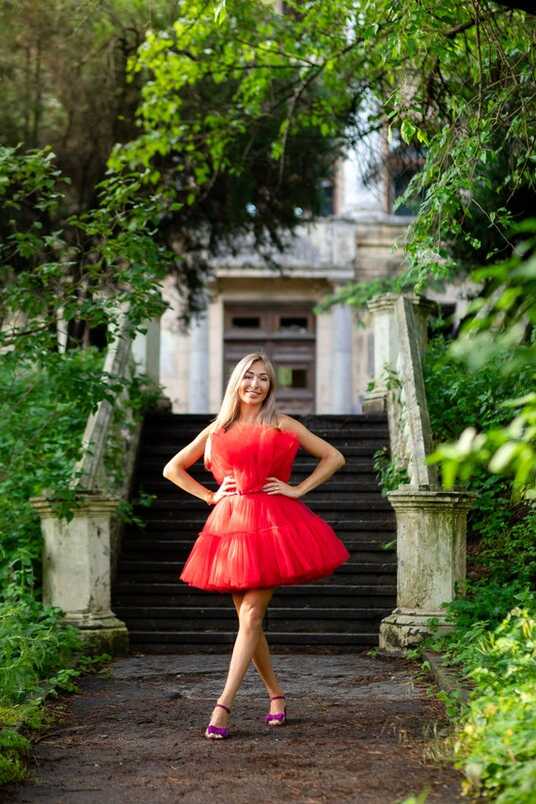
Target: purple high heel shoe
[220,731]
[278,717]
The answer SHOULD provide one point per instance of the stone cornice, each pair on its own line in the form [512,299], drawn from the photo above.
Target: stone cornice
[85,503]
[407,497]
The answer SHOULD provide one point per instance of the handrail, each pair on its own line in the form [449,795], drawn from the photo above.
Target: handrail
[88,469]
[409,364]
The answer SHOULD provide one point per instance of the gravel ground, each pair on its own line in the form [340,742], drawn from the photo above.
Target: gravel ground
[358,731]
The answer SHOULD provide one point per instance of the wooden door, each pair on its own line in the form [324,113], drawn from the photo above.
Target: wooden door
[286,334]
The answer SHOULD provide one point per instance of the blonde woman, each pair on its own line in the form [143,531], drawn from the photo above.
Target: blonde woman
[259,534]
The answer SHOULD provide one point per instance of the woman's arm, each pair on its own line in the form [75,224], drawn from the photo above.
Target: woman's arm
[175,469]
[330,459]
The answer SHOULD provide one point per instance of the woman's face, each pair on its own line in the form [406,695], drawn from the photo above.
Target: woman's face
[255,385]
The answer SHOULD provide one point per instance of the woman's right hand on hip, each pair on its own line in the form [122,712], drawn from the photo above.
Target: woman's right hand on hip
[227,487]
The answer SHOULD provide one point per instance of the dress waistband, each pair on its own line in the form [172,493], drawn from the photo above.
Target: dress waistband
[249,491]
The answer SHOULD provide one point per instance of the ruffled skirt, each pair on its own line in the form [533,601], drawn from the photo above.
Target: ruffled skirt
[260,540]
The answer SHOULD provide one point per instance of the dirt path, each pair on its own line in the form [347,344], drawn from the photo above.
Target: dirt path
[357,730]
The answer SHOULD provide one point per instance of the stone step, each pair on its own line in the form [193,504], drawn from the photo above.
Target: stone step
[159,639]
[149,466]
[183,435]
[164,452]
[317,620]
[351,572]
[327,421]
[333,595]
[339,612]
[357,447]
[169,532]
[183,502]
[343,521]
[165,489]
[173,549]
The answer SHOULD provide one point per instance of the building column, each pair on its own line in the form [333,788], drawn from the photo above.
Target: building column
[216,341]
[385,350]
[146,349]
[198,388]
[341,374]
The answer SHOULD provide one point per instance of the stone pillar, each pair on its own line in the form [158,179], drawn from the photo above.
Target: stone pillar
[324,361]
[431,530]
[76,570]
[385,349]
[152,349]
[146,349]
[198,391]
[215,340]
[341,374]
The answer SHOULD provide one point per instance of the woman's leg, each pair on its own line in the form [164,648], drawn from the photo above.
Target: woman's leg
[252,609]
[263,662]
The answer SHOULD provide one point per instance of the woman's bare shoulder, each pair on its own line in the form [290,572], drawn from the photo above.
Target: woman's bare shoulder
[289,423]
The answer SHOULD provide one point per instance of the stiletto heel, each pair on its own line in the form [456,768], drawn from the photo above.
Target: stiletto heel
[278,717]
[221,732]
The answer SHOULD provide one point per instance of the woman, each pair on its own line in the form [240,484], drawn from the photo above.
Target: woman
[259,535]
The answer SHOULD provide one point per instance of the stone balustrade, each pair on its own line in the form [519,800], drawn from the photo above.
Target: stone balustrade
[431,522]
[79,554]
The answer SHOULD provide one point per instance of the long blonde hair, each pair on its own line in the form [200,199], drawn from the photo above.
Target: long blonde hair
[230,406]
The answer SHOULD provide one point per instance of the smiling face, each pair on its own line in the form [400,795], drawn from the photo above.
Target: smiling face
[254,385]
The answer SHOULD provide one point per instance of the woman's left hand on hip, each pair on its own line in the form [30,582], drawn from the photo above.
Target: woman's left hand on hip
[274,485]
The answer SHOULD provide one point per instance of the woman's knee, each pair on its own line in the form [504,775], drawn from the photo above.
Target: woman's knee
[250,616]
[238,597]
[253,609]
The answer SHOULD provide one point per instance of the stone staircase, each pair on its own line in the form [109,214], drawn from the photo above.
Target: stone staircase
[342,612]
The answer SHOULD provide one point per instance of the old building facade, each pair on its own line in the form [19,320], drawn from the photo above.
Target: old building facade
[324,361]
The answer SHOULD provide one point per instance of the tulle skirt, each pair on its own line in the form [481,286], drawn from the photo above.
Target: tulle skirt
[259,540]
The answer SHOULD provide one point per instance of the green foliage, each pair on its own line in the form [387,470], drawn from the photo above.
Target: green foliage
[34,649]
[44,412]
[235,81]
[459,397]
[33,645]
[218,147]
[496,745]
[357,294]
[39,656]
[12,746]
[493,641]
[479,612]
[64,83]
[43,278]
[499,338]
[510,552]
[390,475]
[420,798]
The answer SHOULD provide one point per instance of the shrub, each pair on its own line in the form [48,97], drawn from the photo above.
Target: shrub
[501,533]
[34,645]
[496,744]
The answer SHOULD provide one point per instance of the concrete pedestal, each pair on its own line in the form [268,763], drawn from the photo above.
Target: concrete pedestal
[77,573]
[431,550]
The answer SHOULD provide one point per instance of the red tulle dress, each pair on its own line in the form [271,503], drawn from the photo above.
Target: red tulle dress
[252,539]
